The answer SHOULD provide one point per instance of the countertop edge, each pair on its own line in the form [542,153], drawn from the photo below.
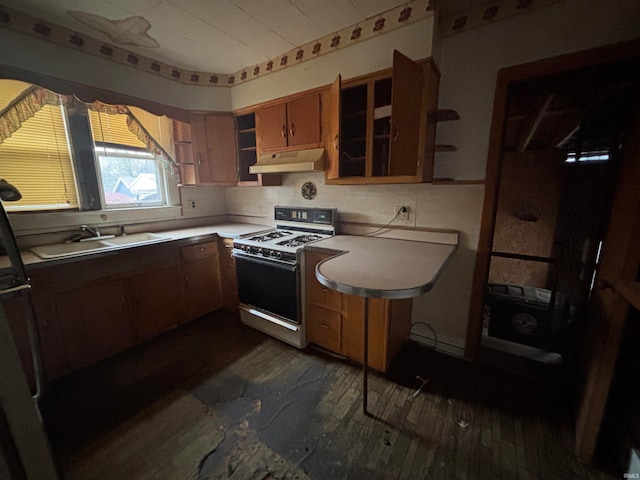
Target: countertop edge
[391,294]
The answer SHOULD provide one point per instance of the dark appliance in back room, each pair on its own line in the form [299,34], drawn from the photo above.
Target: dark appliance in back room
[270,268]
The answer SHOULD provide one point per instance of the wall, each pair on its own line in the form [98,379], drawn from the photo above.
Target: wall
[55,61]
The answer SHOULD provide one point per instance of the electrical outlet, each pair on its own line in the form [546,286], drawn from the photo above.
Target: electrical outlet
[191,203]
[404,212]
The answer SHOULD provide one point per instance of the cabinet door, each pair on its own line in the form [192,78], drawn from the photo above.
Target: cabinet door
[303,120]
[200,147]
[201,286]
[214,149]
[201,278]
[156,302]
[353,330]
[272,127]
[405,116]
[332,141]
[94,321]
[221,149]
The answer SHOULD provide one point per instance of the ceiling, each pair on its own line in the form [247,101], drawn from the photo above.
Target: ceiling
[586,105]
[221,36]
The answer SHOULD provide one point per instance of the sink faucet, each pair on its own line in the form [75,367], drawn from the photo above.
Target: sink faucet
[93,231]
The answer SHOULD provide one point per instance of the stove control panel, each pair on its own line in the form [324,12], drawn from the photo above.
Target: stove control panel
[319,216]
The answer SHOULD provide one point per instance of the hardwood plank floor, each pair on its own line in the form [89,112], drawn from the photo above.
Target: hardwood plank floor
[214,399]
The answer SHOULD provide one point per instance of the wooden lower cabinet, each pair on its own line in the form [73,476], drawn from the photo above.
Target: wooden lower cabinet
[228,276]
[201,279]
[95,321]
[156,304]
[335,321]
[92,309]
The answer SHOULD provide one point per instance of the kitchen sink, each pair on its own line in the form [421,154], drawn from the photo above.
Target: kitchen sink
[67,249]
[135,238]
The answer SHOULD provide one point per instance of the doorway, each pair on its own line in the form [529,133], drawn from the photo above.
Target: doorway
[552,174]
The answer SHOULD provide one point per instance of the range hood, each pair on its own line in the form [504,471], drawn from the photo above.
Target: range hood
[294,161]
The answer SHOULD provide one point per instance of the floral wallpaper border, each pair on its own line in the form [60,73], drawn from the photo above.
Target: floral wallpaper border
[411,12]
[489,13]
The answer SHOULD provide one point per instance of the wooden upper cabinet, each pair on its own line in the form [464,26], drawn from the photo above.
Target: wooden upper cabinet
[379,128]
[289,125]
[214,149]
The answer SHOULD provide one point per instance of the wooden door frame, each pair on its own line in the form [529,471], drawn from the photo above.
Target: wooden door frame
[507,77]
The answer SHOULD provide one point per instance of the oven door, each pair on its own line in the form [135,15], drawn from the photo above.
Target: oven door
[269,286]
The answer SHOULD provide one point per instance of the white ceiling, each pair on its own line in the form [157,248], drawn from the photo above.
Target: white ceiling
[221,36]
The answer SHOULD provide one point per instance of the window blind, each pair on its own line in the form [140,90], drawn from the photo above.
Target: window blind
[37,160]
[112,128]
[160,128]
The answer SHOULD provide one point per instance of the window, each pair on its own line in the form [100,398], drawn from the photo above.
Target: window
[129,174]
[129,177]
[64,154]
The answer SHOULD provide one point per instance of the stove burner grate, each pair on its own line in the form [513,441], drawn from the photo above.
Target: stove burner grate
[271,236]
[299,240]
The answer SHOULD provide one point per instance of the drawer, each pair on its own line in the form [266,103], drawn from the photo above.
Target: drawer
[324,328]
[320,295]
[317,293]
[200,250]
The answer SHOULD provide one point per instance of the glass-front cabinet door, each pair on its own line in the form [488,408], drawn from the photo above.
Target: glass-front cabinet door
[381,129]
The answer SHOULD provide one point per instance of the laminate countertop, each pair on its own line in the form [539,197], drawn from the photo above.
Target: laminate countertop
[381,267]
[225,230]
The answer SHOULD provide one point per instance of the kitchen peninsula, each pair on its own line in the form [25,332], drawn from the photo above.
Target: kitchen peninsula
[382,268]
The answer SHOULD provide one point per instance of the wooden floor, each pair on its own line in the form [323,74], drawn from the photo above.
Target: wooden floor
[215,399]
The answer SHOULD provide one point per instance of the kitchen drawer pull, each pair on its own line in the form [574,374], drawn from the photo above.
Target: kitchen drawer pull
[395,133]
[324,325]
[292,130]
[199,159]
[335,142]
[283,132]
[324,289]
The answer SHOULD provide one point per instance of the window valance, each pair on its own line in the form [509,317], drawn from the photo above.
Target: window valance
[32,99]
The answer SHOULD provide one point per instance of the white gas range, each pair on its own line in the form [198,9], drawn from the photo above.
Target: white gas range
[270,269]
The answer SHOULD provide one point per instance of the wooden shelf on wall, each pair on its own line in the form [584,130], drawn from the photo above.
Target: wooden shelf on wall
[445,148]
[442,115]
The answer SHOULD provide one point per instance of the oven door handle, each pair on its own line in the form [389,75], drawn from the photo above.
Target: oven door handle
[284,266]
